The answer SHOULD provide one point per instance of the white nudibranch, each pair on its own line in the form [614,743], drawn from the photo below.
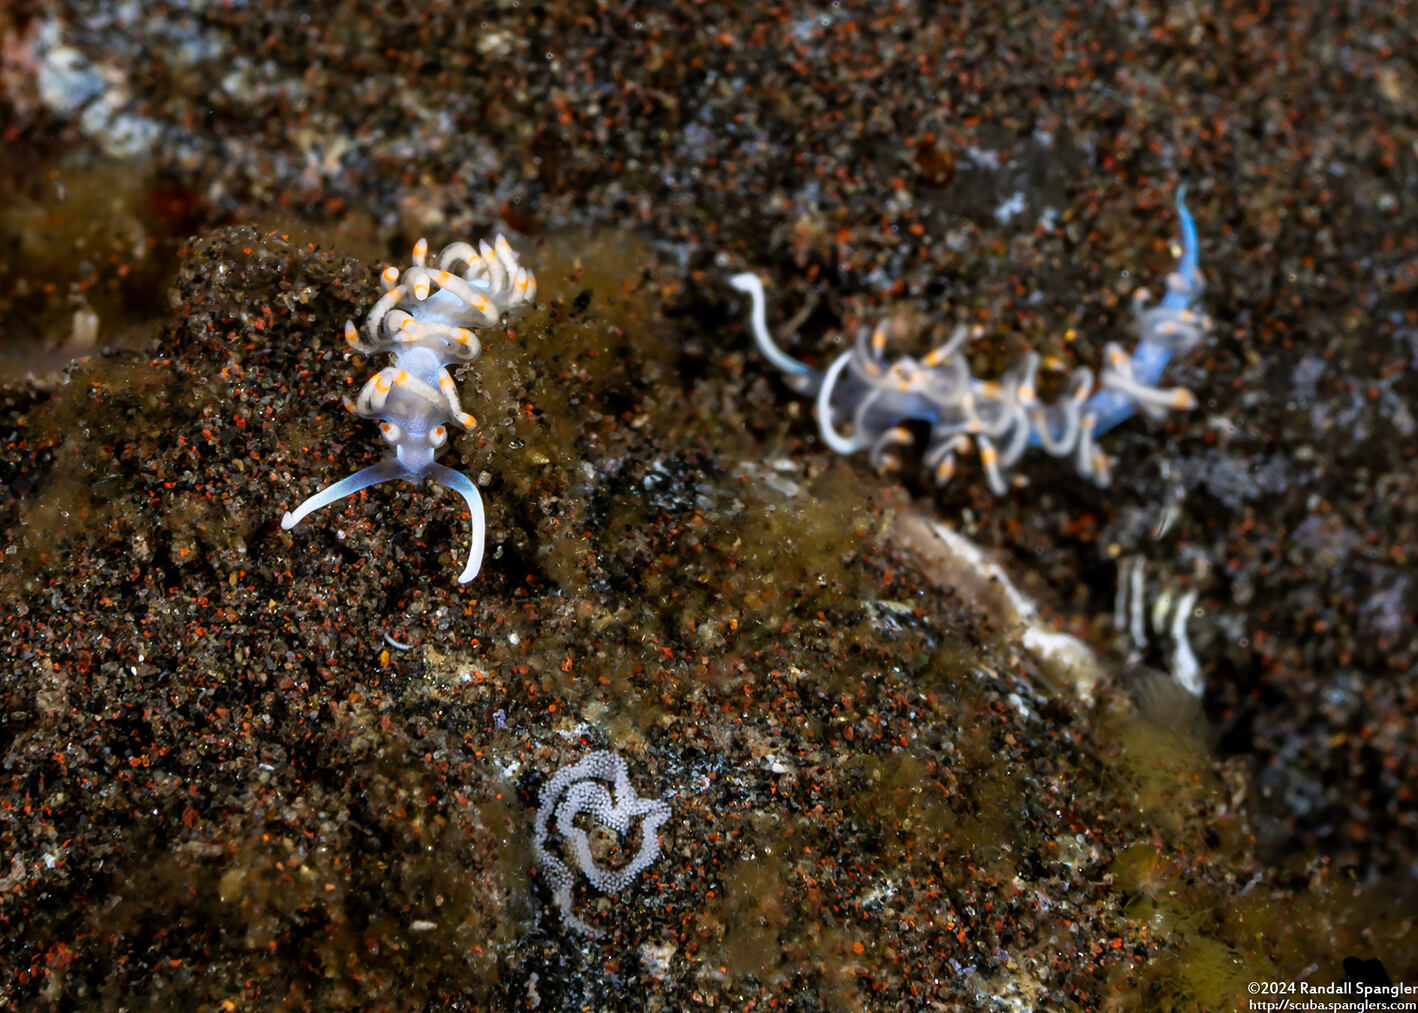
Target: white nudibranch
[424,321]
[1005,417]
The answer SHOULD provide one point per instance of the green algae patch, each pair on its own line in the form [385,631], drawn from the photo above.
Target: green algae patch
[1218,915]
[1215,974]
[1157,739]
[751,918]
[1160,761]
[115,417]
[758,928]
[1212,932]
[801,548]
[902,800]
[409,895]
[560,394]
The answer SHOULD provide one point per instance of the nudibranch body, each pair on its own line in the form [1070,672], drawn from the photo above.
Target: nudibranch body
[1003,417]
[425,320]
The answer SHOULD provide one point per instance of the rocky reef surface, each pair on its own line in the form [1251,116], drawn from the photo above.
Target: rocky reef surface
[245,768]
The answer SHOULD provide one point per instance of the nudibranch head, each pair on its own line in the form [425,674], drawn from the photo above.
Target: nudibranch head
[425,320]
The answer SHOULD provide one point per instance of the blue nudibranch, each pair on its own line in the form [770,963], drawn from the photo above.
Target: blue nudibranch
[1004,416]
[424,321]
